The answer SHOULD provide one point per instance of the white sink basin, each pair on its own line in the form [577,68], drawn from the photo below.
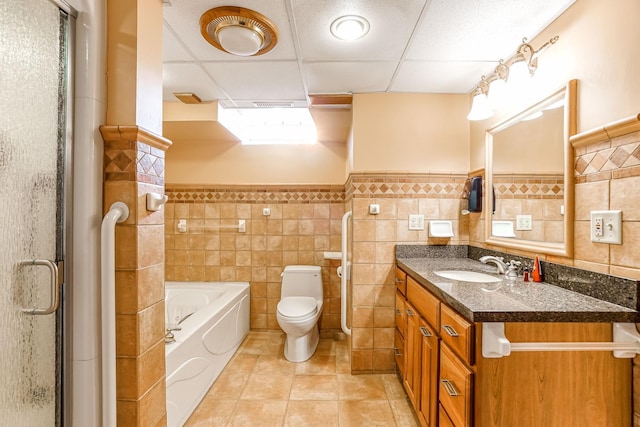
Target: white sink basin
[467,276]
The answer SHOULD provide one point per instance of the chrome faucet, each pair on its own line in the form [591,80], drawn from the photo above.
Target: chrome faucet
[497,261]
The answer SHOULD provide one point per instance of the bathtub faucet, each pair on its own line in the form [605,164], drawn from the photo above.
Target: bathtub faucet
[169,338]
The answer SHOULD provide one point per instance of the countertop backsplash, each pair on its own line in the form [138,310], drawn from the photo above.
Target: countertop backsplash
[616,290]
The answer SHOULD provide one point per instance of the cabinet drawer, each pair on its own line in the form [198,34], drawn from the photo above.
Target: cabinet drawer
[401,314]
[457,333]
[424,301]
[455,388]
[398,349]
[401,281]
[445,421]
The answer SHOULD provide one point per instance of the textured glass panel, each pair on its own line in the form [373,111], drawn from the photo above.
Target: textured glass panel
[29,122]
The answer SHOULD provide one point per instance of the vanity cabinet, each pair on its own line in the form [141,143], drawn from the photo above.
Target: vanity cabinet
[450,383]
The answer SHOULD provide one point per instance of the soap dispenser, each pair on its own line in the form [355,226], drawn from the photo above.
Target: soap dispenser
[512,271]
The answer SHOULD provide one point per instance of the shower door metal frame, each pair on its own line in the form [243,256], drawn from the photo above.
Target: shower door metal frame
[64,321]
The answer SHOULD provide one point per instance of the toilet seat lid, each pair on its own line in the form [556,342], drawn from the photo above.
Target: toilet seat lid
[297,306]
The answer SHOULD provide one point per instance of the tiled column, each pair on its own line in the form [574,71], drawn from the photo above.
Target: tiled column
[134,166]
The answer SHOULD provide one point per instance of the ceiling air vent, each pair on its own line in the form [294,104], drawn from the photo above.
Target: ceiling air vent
[273,104]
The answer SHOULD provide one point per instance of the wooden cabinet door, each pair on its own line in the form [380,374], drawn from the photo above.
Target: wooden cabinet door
[401,314]
[445,421]
[428,402]
[455,390]
[413,351]
[398,344]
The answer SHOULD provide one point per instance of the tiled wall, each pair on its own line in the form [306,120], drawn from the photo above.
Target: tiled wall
[608,177]
[374,238]
[133,167]
[539,196]
[304,222]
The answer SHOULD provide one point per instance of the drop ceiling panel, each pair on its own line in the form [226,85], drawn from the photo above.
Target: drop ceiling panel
[264,80]
[172,49]
[341,77]
[480,30]
[188,77]
[439,77]
[391,26]
[184,18]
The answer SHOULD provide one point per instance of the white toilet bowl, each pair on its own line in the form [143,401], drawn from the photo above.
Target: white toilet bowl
[299,310]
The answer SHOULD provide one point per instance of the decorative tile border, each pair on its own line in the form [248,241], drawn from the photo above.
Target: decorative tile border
[612,158]
[408,185]
[133,154]
[255,194]
[510,186]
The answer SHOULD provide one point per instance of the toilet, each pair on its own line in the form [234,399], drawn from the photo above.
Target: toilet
[299,309]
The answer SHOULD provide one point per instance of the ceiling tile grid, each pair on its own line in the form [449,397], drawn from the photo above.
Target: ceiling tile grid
[433,46]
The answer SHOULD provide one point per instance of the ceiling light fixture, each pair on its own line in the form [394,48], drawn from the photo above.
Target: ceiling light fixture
[349,27]
[238,31]
[487,92]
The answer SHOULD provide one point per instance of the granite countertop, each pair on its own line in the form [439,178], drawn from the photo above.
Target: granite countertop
[510,300]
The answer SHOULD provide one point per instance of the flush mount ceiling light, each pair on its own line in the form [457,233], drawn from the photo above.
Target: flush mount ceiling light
[350,27]
[238,31]
[488,91]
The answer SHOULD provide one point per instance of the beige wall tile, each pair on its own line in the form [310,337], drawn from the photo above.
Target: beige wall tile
[625,195]
[590,196]
[627,254]
[585,249]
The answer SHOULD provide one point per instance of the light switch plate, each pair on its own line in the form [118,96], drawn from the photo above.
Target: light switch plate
[416,222]
[606,227]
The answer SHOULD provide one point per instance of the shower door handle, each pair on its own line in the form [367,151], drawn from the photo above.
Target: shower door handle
[55,287]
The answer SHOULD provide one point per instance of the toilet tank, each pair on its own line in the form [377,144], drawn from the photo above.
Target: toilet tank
[302,280]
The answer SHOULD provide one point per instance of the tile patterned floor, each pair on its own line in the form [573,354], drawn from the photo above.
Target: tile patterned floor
[259,387]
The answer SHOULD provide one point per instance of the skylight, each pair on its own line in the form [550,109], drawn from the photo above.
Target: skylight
[261,126]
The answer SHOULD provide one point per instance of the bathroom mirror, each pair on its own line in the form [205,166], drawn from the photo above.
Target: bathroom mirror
[529,166]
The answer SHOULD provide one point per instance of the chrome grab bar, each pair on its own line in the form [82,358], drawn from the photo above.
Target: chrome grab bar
[55,287]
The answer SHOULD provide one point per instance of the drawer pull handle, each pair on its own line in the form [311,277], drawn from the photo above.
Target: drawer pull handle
[409,312]
[449,388]
[425,332]
[449,330]
[399,280]
[398,312]
[397,352]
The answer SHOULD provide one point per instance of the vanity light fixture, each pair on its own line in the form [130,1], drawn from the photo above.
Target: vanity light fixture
[480,108]
[238,31]
[487,92]
[349,27]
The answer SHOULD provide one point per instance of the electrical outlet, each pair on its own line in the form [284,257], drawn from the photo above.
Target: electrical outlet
[416,222]
[523,222]
[606,227]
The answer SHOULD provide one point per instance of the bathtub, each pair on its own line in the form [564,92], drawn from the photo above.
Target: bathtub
[214,319]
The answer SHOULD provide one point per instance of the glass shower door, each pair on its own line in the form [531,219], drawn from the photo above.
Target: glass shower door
[33,80]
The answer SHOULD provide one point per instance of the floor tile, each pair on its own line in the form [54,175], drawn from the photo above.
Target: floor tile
[229,385]
[242,363]
[311,413]
[314,387]
[319,364]
[361,387]
[259,387]
[274,364]
[403,413]
[263,413]
[212,412]
[267,387]
[393,386]
[358,413]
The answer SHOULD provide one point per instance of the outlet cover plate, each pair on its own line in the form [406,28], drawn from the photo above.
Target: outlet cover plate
[523,222]
[416,222]
[606,227]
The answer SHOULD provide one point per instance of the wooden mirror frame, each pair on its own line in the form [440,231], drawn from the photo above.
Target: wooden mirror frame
[564,249]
